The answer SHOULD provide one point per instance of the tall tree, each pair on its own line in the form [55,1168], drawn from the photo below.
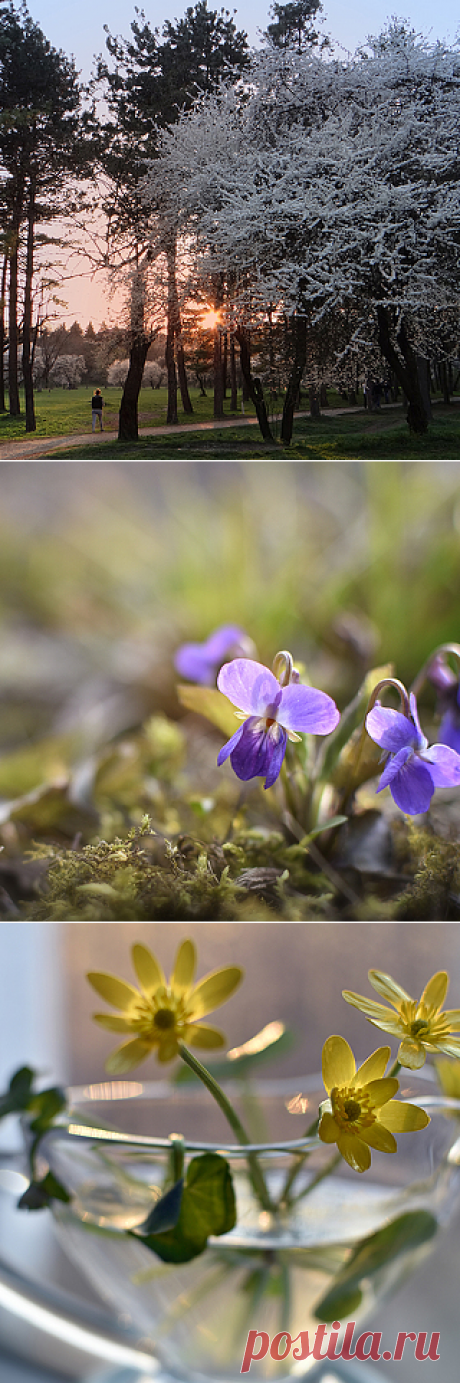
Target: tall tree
[152,77]
[41,148]
[343,198]
[294,23]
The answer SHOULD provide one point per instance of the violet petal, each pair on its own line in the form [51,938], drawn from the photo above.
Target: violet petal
[412,788]
[248,685]
[223,640]
[443,765]
[390,729]
[260,752]
[230,745]
[193,662]
[422,739]
[307,710]
[449,729]
[394,766]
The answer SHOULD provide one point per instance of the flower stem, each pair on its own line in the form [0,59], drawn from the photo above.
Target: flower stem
[257,1177]
[324,1172]
[298,1162]
[395,1069]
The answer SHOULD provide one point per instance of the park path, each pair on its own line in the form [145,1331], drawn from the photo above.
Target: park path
[44,448]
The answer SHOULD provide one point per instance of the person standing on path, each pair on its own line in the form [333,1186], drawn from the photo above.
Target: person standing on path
[97,404]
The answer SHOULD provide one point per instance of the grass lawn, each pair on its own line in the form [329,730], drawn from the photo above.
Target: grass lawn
[361,436]
[65,411]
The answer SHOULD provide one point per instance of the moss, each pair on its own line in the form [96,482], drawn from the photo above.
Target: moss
[257,876]
[434,893]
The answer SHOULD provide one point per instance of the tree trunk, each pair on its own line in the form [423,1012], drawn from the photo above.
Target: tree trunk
[13,389]
[175,331]
[218,375]
[27,327]
[184,393]
[406,373]
[233,384]
[171,415]
[323,396]
[299,328]
[128,427]
[2,334]
[253,386]
[225,364]
[315,409]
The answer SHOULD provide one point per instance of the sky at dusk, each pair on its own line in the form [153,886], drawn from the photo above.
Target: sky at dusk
[79,30]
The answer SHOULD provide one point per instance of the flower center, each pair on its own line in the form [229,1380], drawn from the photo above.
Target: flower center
[352,1107]
[164,1018]
[419,1026]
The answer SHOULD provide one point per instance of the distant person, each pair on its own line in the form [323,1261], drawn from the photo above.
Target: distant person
[97,404]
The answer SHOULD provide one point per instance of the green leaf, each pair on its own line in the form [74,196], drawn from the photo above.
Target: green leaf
[400,1236]
[18,1095]
[41,1193]
[45,1106]
[165,1213]
[207,1207]
[212,704]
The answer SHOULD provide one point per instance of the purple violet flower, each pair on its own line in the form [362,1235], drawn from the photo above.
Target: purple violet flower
[448,688]
[274,714]
[413,770]
[200,662]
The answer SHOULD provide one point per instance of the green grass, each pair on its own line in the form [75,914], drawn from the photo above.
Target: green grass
[65,411]
[358,437]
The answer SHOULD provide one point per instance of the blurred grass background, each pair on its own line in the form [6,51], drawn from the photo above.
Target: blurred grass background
[106,567]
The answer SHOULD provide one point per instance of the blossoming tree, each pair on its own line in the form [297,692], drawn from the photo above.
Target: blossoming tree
[331,189]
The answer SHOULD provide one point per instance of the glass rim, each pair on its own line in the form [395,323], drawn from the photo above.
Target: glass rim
[118,1091]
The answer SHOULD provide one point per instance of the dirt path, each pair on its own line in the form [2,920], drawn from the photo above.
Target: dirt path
[44,448]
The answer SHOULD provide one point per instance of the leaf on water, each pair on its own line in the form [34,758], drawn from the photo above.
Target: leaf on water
[400,1236]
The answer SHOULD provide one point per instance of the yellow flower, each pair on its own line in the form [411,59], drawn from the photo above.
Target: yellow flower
[361,1113]
[420,1025]
[162,1014]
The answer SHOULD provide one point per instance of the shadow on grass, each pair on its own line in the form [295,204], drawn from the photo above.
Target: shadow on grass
[328,438]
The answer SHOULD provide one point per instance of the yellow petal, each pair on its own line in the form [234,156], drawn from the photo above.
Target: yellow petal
[388,988]
[380,1091]
[452,1015]
[113,1022]
[328,1129]
[374,1068]
[450,1045]
[379,1137]
[128,1056]
[376,1013]
[403,1118]
[339,1064]
[148,969]
[411,1054]
[167,1048]
[202,1035]
[355,1152]
[184,967]
[113,990]
[214,990]
[433,995]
